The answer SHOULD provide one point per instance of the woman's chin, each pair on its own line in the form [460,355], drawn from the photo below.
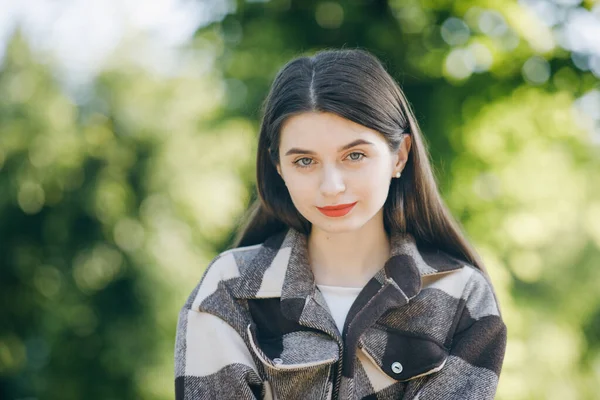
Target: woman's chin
[336,225]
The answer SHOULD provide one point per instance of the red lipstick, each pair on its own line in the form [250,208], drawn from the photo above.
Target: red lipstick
[338,210]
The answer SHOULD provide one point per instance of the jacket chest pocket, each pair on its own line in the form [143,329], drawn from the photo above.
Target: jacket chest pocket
[298,365]
[402,356]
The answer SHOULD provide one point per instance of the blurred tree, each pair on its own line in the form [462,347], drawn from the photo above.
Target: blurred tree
[74,311]
[110,207]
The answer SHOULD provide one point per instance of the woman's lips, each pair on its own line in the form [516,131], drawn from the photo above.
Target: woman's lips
[337,211]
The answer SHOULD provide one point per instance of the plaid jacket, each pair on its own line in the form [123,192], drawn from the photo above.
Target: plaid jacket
[426,326]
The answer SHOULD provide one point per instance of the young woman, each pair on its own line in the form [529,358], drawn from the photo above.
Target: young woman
[350,279]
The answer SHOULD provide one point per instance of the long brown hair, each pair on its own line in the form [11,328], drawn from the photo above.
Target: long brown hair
[353,84]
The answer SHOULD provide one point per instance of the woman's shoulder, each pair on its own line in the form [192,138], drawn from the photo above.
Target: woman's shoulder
[480,294]
[226,267]
[229,263]
[238,259]
[476,291]
[234,258]
[463,281]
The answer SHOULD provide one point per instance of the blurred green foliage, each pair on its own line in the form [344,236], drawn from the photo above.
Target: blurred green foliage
[111,206]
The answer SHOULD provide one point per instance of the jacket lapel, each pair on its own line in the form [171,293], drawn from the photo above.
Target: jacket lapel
[281,268]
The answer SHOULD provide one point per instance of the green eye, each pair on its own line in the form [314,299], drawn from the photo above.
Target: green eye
[360,156]
[307,162]
[301,164]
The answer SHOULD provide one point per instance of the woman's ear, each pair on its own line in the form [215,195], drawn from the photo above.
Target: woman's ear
[402,155]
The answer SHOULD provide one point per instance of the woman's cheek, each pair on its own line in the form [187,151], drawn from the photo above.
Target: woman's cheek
[300,192]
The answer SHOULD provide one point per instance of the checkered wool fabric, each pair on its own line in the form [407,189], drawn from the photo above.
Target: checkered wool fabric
[427,326]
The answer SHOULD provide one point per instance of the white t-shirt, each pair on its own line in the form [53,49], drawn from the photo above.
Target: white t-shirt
[339,299]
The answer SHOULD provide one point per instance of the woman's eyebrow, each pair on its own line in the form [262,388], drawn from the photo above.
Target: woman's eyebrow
[295,150]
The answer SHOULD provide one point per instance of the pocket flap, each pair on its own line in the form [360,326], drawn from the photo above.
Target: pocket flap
[294,350]
[402,355]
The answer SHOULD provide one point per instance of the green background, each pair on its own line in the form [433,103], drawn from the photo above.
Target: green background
[111,206]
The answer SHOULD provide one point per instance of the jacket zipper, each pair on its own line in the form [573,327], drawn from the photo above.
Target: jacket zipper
[338,380]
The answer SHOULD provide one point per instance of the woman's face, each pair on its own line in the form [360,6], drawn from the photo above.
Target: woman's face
[327,160]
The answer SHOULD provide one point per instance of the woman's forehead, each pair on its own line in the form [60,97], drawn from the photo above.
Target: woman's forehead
[321,130]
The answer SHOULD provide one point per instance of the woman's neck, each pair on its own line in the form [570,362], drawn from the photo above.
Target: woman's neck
[350,258]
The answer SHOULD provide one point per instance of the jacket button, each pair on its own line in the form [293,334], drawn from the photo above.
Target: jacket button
[278,361]
[397,367]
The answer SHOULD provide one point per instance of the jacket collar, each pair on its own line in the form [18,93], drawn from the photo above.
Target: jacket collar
[281,268]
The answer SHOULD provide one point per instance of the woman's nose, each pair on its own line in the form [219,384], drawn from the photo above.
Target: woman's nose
[332,181]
